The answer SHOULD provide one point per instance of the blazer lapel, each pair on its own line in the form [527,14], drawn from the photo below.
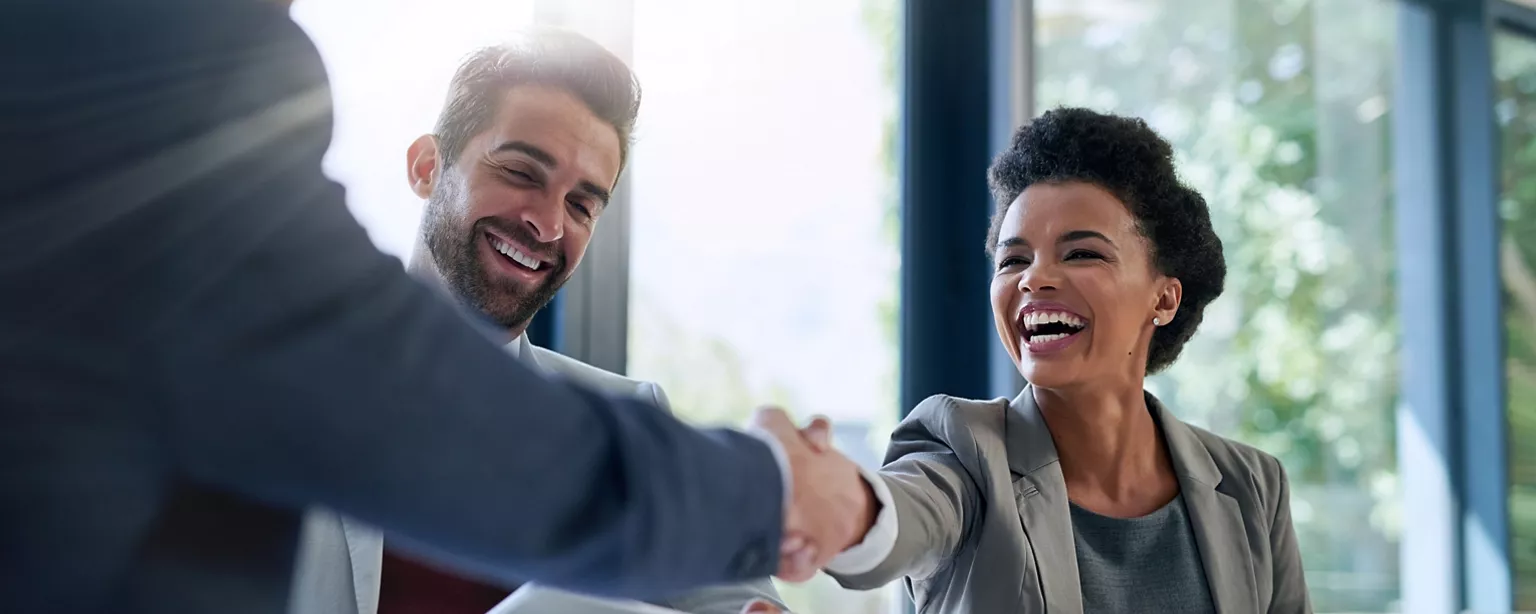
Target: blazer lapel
[1214,516]
[365,546]
[1041,496]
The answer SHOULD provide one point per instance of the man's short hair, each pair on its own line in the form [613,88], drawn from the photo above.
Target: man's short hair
[541,56]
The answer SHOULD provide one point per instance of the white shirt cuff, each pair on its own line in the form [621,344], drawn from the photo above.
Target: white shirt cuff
[878,542]
[780,457]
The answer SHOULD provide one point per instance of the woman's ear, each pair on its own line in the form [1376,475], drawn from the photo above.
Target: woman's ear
[1168,298]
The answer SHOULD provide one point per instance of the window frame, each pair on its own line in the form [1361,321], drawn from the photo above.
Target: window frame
[1452,434]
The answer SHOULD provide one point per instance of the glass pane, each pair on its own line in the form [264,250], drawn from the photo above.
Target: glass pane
[1515,73]
[389,62]
[1278,112]
[764,237]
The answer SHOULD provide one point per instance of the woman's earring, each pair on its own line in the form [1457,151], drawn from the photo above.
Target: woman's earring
[1157,322]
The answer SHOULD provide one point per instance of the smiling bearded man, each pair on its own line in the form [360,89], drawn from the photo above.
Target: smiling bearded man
[516,176]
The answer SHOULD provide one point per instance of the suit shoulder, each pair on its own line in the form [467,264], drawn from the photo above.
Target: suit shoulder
[946,409]
[1242,461]
[952,418]
[587,375]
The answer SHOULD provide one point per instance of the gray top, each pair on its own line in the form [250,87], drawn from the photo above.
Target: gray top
[1146,564]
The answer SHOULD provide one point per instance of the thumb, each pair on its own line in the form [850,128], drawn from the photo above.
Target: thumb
[819,433]
[772,420]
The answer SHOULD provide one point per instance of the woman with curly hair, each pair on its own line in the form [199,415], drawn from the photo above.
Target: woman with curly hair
[1084,493]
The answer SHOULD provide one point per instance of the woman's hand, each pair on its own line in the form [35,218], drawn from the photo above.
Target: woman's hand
[819,434]
[829,498]
[758,606]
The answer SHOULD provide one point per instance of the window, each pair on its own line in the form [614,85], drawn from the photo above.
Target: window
[1278,112]
[764,239]
[389,65]
[1515,108]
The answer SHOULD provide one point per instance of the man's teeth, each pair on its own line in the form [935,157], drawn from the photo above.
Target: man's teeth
[517,256]
[1035,319]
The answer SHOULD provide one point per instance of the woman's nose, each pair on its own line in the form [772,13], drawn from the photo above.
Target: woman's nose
[1038,277]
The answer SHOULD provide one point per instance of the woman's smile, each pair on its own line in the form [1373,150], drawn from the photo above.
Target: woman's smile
[1046,327]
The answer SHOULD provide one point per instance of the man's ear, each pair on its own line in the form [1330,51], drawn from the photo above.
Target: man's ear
[422,165]
[1168,300]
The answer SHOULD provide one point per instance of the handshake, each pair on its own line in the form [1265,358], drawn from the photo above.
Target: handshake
[830,507]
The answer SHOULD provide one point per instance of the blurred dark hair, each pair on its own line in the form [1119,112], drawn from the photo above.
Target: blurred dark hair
[1127,158]
[541,56]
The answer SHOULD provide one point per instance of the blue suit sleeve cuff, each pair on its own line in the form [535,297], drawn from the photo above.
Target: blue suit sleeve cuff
[780,457]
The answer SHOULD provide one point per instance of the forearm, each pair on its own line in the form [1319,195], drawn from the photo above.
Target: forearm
[911,538]
[927,501]
[472,457]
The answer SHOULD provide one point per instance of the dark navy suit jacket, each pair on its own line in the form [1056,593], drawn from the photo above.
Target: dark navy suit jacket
[197,340]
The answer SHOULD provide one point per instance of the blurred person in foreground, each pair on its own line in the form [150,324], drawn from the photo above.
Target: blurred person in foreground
[198,342]
[516,176]
[1084,493]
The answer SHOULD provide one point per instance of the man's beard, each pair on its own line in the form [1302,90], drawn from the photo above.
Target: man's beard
[456,254]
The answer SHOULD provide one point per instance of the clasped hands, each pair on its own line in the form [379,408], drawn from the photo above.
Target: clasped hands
[831,507]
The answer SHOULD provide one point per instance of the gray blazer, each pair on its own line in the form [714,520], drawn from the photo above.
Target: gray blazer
[984,524]
[339,558]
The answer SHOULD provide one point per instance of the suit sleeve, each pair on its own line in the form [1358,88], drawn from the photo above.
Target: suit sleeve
[724,598]
[659,397]
[297,365]
[933,498]
[1290,592]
